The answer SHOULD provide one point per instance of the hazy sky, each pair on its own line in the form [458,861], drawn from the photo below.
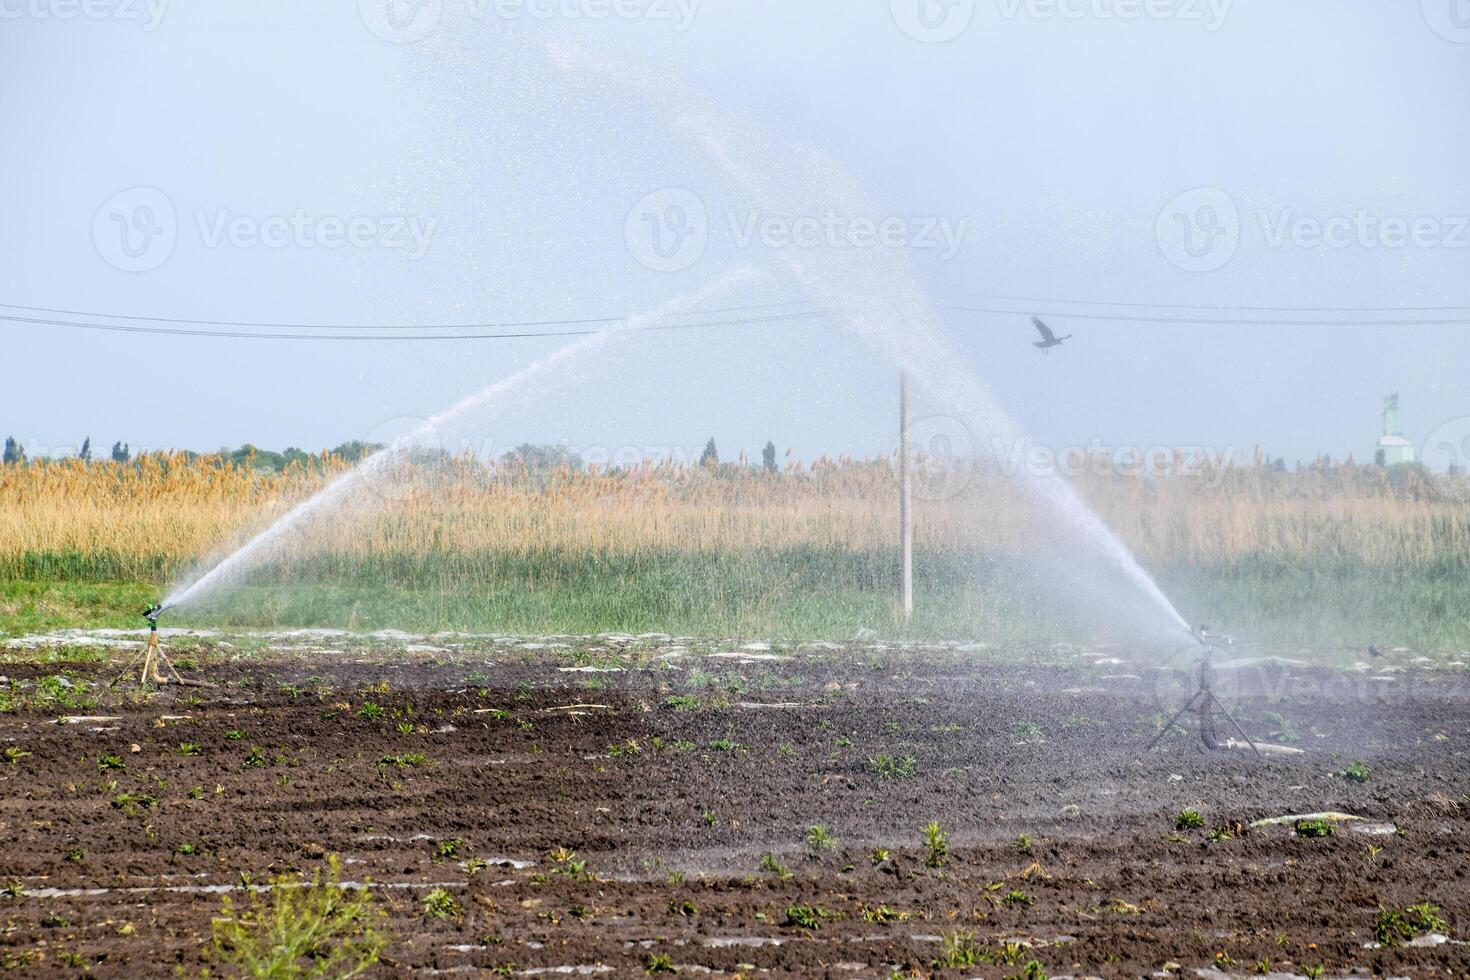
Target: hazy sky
[428,163]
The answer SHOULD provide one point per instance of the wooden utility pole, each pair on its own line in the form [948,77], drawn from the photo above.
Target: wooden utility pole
[905,499]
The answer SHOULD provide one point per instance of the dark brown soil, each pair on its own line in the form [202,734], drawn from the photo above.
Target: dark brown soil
[677,776]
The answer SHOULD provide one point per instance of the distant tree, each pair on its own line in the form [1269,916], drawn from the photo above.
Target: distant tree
[768,457]
[291,454]
[121,452]
[711,455]
[86,454]
[14,452]
[354,451]
[258,459]
[543,459]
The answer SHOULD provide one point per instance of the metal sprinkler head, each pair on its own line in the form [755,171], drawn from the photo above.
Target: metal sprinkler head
[152,613]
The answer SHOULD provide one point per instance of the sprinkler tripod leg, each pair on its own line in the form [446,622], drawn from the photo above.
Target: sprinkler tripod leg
[153,659]
[1172,722]
[157,669]
[1205,704]
[1236,725]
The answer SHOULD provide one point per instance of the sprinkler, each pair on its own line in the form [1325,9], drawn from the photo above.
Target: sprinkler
[1204,703]
[153,656]
[154,662]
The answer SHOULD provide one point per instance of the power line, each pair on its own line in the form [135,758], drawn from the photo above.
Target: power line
[526,330]
[1225,308]
[262,325]
[1204,321]
[251,335]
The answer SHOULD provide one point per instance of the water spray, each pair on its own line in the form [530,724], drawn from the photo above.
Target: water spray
[380,465]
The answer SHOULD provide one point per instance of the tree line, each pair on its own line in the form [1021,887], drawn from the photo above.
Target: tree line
[538,458]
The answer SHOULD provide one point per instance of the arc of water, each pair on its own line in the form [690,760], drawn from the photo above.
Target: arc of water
[873,292]
[381,463]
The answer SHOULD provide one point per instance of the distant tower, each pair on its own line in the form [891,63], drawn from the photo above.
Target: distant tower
[1393,448]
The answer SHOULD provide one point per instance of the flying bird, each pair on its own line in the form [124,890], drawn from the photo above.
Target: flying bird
[1048,338]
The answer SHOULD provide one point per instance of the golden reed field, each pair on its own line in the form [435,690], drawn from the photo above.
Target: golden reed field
[159,514]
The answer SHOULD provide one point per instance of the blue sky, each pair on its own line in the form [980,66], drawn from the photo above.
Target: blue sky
[327,164]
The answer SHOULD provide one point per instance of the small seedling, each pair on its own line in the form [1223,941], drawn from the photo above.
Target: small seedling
[188,749]
[709,818]
[268,934]
[371,710]
[107,762]
[770,864]
[1313,972]
[936,845]
[1028,732]
[808,917]
[888,767]
[1357,773]
[686,908]
[567,864]
[1018,899]
[76,855]
[186,849]
[441,905]
[659,963]
[448,849]
[133,804]
[1033,970]
[1227,831]
[1314,828]
[1189,820]
[14,754]
[1022,844]
[234,735]
[884,914]
[255,758]
[1395,927]
[880,854]
[961,950]
[819,838]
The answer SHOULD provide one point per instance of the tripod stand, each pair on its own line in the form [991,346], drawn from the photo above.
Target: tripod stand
[154,661]
[1204,704]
